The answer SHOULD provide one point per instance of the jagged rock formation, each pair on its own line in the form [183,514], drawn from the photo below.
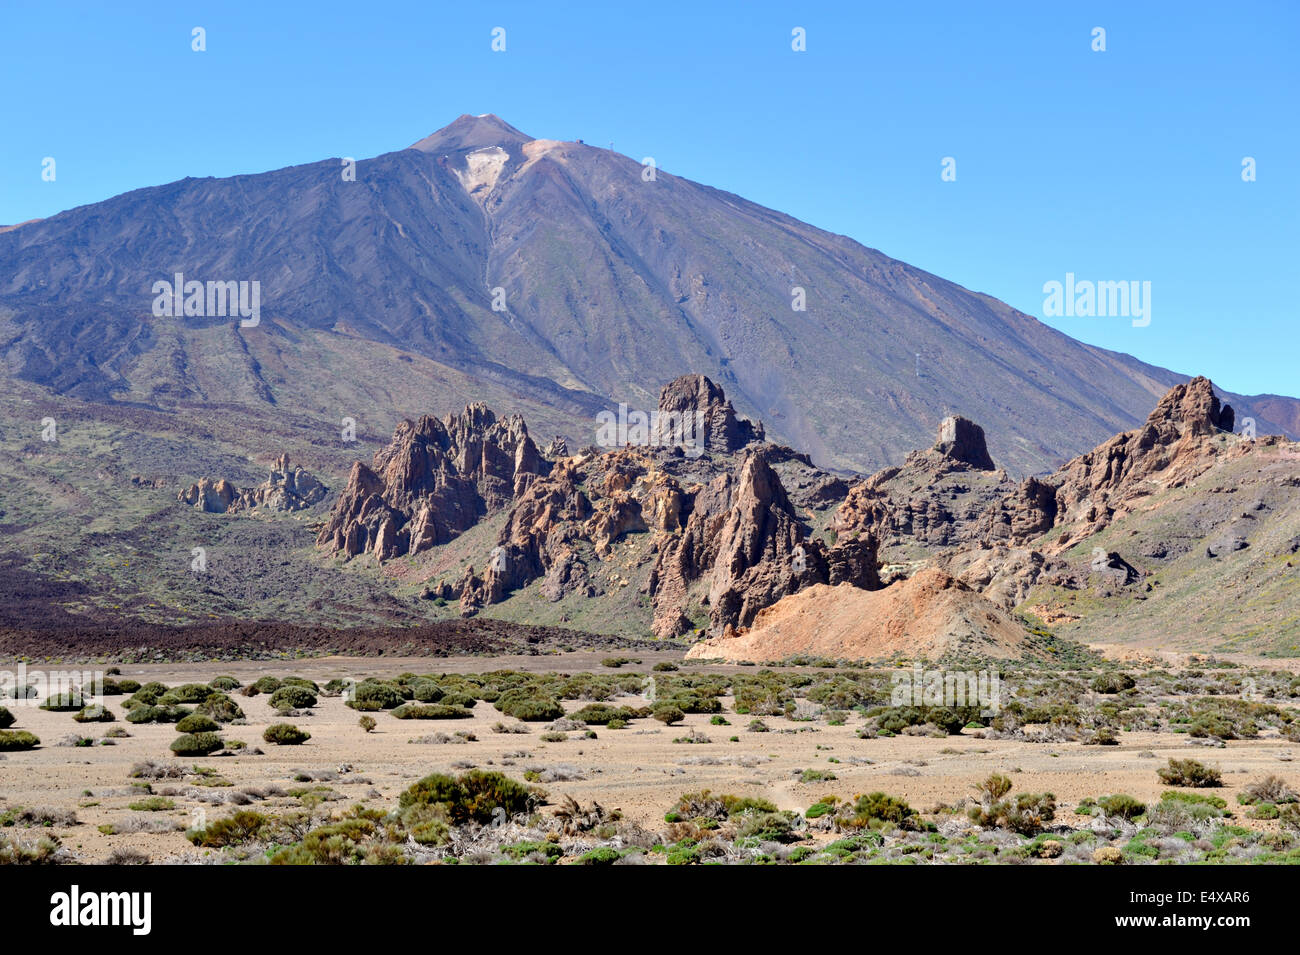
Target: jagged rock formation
[745,542]
[435,479]
[725,536]
[694,397]
[286,488]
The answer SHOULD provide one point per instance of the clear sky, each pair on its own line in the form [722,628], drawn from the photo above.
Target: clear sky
[1117,165]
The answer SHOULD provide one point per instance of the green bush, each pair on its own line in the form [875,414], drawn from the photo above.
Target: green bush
[474,796]
[147,695]
[668,714]
[1113,683]
[431,711]
[374,695]
[426,691]
[197,723]
[224,683]
[197,744]
[14,740]
[186,693]
[6,718]
[158,714]
[266,684]
[285,734]
[220,708]
[94,713]
[367,723]
[875,809]
[291,696]
[1122,805]
[600,714]
[64,702]
[243,826]
[529,706]
[152,804]
[1189,772]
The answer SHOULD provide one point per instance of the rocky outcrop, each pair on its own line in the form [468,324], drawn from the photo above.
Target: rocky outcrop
[434,480]
[692,398]
[744,542]
[1172,447]
[962,442]
[286,488]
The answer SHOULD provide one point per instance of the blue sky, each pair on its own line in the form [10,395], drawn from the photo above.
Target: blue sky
[1115,165]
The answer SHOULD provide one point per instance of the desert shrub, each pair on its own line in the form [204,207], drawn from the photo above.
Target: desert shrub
[291,696]
[529,706]
[426,691]
[431,711]
[152,804]
[15,740]
[147,695]
[768,827]
[473,797]
[94,714]
[224,684]
[197,744]
[301,681]
[197,723]
[737,805]
[285,734]
[817,776]
[64,702]
[375,695]
[668,714]
[1183,812]
[1121,805]
[1189,772]
[221,708]
[266,684]
[600,714]
[702,808]
[367,723]
[6,718]
[1272,789]
[664,667]
[541,849]
[1113,682]
[28,692]
[46,850]
[993,788]
[1026,814]
[186,693]
[127,686]
[950,719]
[875,809]
[822,807]
[242,826]
[158,714]
[694,703]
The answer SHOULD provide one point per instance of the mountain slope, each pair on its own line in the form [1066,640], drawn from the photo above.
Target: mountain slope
[611,284]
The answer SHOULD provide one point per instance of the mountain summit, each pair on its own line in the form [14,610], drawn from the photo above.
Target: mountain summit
[472,132]
[551,278]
